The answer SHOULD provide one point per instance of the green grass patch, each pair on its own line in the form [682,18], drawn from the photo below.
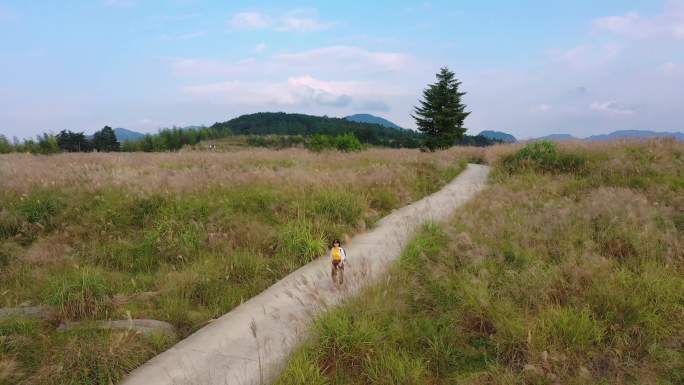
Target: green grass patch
[543,156]
[79,294]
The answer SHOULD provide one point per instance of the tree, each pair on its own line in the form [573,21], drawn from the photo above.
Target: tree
[105,140]
[47,144]
[73,141]
[441,113]
[5,146]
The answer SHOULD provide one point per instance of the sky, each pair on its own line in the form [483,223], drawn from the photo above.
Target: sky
[529,68]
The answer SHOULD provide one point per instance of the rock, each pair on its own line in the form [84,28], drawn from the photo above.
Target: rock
[142,326]
[39,312]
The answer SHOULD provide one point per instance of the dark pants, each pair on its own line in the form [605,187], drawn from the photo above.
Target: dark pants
[337,269]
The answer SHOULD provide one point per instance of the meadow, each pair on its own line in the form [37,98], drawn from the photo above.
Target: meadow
[569,269]
[177,237]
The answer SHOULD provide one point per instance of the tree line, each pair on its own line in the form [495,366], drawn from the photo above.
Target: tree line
[104,140]
[440,117]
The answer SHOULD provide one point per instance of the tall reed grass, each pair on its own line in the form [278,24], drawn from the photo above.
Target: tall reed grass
[200,231]
[551,276]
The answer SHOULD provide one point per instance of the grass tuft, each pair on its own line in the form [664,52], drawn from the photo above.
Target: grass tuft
[80,294]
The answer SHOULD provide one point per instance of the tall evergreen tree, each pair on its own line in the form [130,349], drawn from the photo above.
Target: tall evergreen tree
[441,113]
[105,140]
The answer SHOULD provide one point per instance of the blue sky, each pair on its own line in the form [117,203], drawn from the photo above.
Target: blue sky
[529,67]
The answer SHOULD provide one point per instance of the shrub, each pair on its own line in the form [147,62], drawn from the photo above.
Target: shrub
[543,156]
[78,294]
[346,143]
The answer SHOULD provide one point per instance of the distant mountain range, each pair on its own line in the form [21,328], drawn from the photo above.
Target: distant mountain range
[498,135]
[616,135]
[372,119]
[123,134]
[361,124]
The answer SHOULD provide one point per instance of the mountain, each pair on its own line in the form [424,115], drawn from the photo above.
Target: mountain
[123,134]
[368,118]
[616,135]
[556,137]
[623,134]
[498,135]
[280,123]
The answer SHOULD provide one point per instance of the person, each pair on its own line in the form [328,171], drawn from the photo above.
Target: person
[338,257]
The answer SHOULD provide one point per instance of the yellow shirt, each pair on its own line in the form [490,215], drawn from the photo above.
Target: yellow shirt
[337,254]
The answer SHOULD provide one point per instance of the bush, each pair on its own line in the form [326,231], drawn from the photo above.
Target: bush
[543,156]
[346,143]
[80,294]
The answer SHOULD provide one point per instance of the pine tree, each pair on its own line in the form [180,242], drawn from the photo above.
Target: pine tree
[105,140]
[441,113]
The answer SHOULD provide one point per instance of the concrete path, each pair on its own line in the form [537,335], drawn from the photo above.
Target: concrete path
[251,344]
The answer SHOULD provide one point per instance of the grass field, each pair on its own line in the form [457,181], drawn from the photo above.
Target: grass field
[569,269]
[178,237]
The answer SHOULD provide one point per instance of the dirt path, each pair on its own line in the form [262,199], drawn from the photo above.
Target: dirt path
[251,344]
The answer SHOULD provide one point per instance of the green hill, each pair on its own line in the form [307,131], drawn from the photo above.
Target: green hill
[280,123]
[498,135]
[368,118]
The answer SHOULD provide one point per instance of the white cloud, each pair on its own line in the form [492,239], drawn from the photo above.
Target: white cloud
[295,91]
[586,55]
[668,67]
[350,57]
[297,20]
[611,107]
[305,20]
[669,24]
[328,61]
[250,21]
[261,47]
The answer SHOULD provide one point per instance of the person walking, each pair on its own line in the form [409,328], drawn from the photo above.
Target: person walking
[338,258]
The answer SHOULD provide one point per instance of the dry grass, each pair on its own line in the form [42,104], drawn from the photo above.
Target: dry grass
[564,277]
[203,230]
[192,171]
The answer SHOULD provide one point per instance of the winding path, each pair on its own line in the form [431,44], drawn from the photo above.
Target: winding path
[252,343]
